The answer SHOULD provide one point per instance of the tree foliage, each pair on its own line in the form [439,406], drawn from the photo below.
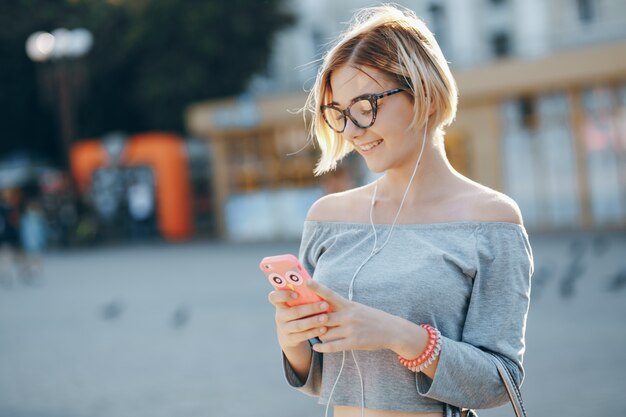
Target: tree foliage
[150,59]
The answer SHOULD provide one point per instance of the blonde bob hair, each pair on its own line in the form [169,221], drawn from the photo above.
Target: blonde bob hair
[397,43]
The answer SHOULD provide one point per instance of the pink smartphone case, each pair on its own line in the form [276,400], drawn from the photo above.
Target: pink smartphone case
[285,272]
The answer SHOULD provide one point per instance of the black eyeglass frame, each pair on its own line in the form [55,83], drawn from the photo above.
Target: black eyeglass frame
[372,98]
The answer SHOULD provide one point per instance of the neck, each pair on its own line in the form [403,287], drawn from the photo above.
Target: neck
[433,172]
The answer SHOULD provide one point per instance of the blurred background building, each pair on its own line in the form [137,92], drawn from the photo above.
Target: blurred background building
[542,114]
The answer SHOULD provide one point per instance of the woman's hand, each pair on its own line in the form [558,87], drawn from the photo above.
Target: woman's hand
[296,325]
[354,326]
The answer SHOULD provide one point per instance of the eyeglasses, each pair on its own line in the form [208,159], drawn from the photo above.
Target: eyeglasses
[366,107]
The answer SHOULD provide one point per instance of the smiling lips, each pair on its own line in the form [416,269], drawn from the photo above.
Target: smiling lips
[370,146]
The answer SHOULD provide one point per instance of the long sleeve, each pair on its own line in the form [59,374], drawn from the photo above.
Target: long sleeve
[313,382]
[495,324]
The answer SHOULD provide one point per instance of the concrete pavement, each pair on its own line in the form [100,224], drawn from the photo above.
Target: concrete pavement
[186,331]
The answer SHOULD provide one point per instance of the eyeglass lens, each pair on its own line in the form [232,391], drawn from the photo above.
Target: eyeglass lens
[360,111]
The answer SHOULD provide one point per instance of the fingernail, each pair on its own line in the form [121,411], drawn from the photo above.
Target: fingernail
[322,318]
[310,283]
[323,306]
[322,329]
[294,295]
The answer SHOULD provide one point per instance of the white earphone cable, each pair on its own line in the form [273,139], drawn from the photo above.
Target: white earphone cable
[367,259]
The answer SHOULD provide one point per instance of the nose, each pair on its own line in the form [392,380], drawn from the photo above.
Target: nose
[352,131]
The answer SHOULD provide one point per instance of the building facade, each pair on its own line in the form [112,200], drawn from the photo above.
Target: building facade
[542,111]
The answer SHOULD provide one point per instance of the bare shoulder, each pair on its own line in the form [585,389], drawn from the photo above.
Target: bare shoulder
[338,207]
[493,206]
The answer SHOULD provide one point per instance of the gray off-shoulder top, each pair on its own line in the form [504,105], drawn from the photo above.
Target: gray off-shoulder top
[469,279]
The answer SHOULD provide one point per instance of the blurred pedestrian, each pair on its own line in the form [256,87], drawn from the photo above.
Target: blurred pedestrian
[427,271]
[33,236]
[67,218]
[9,236]
[140,199]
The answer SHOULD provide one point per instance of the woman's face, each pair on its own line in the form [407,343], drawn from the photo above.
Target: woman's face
[388,143]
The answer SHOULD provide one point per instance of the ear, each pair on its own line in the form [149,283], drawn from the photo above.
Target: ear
[432,108]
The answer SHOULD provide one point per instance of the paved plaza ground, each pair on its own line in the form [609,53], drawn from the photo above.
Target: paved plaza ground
[186,331]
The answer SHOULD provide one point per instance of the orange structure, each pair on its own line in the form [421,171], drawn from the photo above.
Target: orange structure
[165,154]
[85,157]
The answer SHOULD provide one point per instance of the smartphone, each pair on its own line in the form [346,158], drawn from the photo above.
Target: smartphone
[286,273]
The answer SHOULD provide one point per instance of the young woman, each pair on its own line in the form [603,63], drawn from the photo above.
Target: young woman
[428,272]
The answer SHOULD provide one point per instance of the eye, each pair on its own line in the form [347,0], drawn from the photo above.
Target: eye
[277,280]
[334,114]
[363,107]
[294,277]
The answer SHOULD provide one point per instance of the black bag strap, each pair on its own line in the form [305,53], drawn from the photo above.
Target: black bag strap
[511,388]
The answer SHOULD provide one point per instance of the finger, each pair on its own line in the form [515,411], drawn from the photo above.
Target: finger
[297,338]
[336,319]
[297,326]
[327,294]
[279,298]
[333,333]
[331,347]
[304,310]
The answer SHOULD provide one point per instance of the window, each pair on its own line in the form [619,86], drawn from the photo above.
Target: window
[585,10]
[501,44]
[606,154]
[437,24]
[527,112]
[539,163]
[436,16]
[520,157]
[558,191]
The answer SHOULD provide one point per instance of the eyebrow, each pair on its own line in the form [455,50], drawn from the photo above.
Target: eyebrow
[354,98]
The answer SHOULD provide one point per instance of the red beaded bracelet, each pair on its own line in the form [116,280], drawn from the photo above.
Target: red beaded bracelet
[429,355]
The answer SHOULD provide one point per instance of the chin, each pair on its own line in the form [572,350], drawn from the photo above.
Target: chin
[375,168]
